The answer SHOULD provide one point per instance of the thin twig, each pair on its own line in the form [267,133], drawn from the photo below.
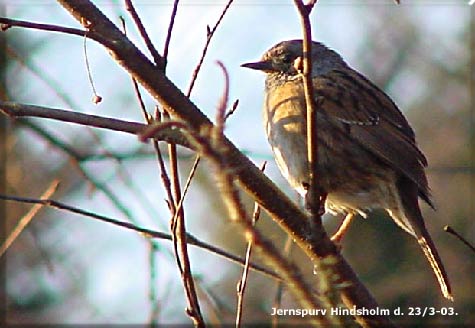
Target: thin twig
[232,110]
[209,36]
[242,283]
[222,105]
[187,185]
[96,98]
[450,230]
[26,219]
[178,229]
[39,26]
[139,97]
[175,191]
[148,233]
[161,164]
[312,198]
[169,31]
[158,60]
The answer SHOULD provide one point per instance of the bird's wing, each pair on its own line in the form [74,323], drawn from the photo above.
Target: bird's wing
[374,121]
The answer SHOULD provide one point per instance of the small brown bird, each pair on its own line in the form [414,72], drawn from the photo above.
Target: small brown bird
[367,154]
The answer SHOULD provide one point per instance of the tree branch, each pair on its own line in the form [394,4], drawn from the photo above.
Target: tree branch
[192,240]
[21,110]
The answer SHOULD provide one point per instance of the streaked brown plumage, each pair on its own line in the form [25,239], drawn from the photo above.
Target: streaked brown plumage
[367,154]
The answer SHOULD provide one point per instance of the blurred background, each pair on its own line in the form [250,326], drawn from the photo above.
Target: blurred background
[65,268]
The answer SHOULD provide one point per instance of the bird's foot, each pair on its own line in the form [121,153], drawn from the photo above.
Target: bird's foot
[342,229]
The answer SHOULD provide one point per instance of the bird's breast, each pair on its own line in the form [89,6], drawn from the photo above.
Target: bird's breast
[345,169]
[285,125]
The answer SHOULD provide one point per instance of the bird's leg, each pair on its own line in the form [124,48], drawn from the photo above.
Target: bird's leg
[343,228]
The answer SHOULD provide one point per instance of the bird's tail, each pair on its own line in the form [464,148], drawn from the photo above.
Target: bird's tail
[413,222]
[435,262]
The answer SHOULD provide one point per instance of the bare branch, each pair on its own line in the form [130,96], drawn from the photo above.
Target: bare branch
[26,219]
[232,110]
[20,110]
[209,36]
[161,163]
[241,286]
[312,200]
[178,229]
[8,23]
[146,232]
[450,230]
[223,103]
[170,29]
[159,60]
[96,98]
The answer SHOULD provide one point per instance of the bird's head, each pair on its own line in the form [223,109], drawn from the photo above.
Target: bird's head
[286,58]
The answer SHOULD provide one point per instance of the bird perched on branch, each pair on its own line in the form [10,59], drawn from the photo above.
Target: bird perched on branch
[367,154]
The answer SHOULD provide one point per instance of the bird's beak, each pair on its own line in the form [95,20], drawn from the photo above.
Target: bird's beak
[264,65]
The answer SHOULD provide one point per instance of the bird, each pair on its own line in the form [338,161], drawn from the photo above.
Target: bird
[367,154]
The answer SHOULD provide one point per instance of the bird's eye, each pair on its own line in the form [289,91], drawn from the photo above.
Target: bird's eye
[286,58]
